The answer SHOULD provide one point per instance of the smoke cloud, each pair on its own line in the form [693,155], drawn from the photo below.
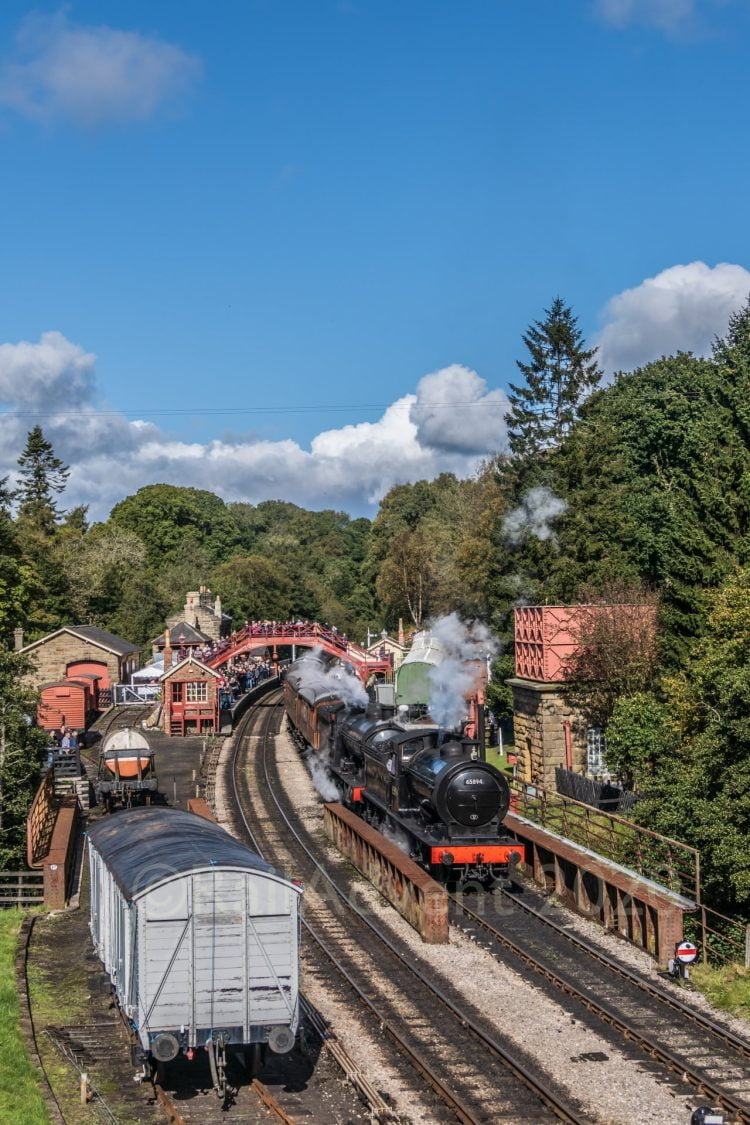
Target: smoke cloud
[396,836]
[322,778]
[321,678]
[533,516]
[465,646]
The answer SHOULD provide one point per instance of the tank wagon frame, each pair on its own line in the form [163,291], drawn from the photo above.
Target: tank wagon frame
[126,774]
[198,935]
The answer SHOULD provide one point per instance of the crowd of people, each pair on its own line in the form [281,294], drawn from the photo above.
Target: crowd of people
[63,744]
[241,675]
[291,630]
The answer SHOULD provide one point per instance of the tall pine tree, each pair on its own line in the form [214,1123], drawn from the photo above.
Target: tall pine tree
[558,374]
[42,475]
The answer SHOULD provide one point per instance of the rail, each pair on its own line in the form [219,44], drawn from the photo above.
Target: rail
[515,1066]
[604,1002]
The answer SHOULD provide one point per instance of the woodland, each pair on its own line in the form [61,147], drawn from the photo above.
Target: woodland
[628,490]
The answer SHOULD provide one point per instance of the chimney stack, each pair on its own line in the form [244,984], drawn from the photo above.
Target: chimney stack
[217,606]
[167,651]
[18,639]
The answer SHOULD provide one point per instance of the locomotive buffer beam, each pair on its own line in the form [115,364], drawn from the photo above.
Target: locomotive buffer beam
[416,896]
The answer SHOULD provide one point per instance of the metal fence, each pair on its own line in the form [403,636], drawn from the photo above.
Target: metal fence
[668,862]
[137,694]
[722,940]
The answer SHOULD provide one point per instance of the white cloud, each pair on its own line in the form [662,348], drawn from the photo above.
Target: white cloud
[681,309]
[667,15]
[351,467]
[455,412]
[91,74]
[52,371]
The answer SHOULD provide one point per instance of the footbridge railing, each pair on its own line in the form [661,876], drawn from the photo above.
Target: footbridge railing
[257,635]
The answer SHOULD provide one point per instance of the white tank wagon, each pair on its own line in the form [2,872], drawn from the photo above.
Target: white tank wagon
[198,935]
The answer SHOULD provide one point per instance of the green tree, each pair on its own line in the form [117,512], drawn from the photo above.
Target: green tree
[558,374]
[641,741]
[700,791]
[171,521]
[99,565]
[17,578]
[42,475]
[21,750]
[657,480]
[253,588]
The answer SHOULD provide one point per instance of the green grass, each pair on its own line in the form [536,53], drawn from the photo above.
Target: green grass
[727,988]
[20,1096]
[499,758]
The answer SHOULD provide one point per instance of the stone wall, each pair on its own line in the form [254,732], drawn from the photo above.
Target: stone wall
[203,612]
[52,657]
[540,712]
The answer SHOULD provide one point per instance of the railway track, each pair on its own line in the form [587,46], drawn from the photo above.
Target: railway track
[449,1047]
[685,1042]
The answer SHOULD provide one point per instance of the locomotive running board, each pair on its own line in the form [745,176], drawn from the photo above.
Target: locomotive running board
[416,896]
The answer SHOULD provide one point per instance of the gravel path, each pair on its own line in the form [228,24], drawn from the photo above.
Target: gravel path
[617,1089]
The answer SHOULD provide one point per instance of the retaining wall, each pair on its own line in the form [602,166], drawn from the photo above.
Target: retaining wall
[416,896]
[647,914]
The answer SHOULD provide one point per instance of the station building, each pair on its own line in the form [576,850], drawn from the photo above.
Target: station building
[80,650]
[190,696]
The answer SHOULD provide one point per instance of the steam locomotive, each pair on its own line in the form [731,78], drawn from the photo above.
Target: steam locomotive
[428,788]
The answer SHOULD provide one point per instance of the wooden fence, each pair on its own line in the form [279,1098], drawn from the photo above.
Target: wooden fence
[21,888]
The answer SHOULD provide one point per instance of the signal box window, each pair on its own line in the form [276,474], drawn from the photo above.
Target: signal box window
[177,692]
[197,692]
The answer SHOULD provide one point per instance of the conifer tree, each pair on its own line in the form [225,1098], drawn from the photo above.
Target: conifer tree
[557,376]
[42,475]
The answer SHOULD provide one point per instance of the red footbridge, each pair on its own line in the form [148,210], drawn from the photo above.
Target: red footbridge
[259,635]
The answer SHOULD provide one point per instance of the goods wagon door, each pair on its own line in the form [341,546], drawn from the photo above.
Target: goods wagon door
[245,956]
[164,963]
[89,667]
[272,951]
[219,899]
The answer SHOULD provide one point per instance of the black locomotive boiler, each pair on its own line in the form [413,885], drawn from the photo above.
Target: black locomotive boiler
[428,788]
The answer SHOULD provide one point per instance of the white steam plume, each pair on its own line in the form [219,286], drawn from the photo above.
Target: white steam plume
[397,836]
[318,677]
[465,646]
[533,516]
[321,776]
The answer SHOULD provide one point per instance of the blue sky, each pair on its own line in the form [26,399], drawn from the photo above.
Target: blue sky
[312,204]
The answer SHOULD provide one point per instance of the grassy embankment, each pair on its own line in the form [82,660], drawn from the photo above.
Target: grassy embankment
[727,987]
[20,1096]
